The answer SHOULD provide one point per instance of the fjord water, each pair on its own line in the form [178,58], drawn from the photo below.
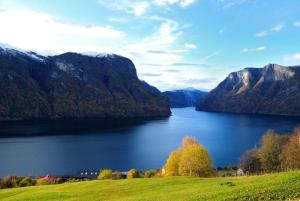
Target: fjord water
[67,146]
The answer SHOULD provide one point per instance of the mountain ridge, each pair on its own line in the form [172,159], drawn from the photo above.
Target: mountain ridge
[73,85]
[184,97]
[273,89]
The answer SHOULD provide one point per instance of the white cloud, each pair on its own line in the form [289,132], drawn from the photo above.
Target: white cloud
[276,28]
[159,46]
[185,3]
[190,46]
[117,19]
[140,8]
[216,53]
[181,3]
[37,31]
[292,58]
[258,49]
[226,4]
[44,33]
[221,31]
[297,24]
[135,7]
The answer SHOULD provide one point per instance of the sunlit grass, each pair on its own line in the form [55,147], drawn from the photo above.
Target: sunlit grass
[281,186]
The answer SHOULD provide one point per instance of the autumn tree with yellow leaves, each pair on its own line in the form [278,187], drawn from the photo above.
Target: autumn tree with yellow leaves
[191,159]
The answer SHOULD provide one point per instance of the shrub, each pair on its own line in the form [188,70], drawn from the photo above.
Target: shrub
[133,173]
[49,180]
[27,181]
[59,181]
[105,174]
[11,182]
[117,175]
[151,173]
[41,181]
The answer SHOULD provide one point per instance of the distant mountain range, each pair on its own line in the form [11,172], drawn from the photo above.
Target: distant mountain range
[73,85]
[184,97]
[273,89]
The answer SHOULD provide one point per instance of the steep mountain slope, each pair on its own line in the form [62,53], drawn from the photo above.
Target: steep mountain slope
[273,89]
[73,85]
[150,87]
[184,97]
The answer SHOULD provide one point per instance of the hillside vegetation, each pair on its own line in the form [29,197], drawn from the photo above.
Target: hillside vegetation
[272,90]
[279,186]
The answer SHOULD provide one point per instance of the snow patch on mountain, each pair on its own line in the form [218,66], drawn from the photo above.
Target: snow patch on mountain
[7,49]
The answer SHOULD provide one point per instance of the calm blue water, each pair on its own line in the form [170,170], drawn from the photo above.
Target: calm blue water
[67,147]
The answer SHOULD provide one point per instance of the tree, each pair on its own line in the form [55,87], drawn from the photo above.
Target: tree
[133,173]
[188,140]
[151,173]
[194,161]
[171,167]
[250,161]
[290,156]
[270,149]
[191,159]
[105,174]
[27,181]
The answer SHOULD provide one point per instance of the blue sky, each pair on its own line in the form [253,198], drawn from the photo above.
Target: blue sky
[173,43]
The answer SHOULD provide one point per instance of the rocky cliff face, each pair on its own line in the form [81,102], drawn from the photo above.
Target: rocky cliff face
[273,89]
[73,85]
[184,97]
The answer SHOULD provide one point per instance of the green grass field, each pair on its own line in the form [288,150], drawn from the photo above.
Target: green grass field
[281,186]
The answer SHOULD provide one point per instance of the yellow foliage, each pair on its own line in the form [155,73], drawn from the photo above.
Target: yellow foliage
[133,173]
[191,159]
[171,167]
[188,140]
[195,161]
[105,174]
[290,155]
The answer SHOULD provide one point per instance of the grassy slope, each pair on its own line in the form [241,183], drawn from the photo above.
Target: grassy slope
[268,187]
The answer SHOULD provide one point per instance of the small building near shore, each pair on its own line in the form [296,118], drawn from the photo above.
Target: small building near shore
[87,174]
[240,172]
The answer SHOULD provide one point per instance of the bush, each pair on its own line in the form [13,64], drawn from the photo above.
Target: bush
[11,182]
[151,173]
[49,180]
[27,181]
[117,175]
[40,182]
[59,181]
[105,174]
[133,173]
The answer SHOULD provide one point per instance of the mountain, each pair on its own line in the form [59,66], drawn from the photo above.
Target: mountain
[150,87]
[184,97]
[73,85]
[273,89]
